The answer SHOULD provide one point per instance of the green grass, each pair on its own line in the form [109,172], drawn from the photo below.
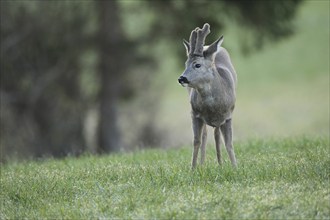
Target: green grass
[276,179]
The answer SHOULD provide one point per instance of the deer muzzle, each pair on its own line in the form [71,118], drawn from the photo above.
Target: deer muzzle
[183,80]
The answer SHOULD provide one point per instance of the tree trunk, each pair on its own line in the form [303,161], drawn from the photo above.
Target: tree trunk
[111,71]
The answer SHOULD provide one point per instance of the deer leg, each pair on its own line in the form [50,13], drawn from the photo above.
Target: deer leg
[203,149]
[217,138]
[198,125]
[227,133]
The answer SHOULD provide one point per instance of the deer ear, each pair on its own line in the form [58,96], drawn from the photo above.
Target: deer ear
[187,46]
[213,48]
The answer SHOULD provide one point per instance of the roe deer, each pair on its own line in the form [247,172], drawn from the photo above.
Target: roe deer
[211,79]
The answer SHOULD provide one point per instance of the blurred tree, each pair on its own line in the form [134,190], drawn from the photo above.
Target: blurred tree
[271,19]
[110,45]
[40,91]
[45,89]
[119,60]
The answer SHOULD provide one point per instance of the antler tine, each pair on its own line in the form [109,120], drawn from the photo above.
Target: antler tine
[192,40]
[201,35]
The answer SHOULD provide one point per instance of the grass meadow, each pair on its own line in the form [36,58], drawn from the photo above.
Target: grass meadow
[275,179]
[281,125]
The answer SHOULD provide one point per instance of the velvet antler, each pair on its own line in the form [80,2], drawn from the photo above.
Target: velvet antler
[197,40]
[201,35]
[192,42]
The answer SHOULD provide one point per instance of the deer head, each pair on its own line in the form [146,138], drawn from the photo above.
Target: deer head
[200,67]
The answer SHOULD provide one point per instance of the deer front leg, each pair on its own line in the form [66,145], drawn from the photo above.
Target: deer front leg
[227,133]
[198,125]
[217,138]
[203,145]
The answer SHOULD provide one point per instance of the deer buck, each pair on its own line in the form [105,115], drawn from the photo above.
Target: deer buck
[211,79]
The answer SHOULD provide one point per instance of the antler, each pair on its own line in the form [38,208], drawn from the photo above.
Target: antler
[197,40]
[192,42]
[201,35]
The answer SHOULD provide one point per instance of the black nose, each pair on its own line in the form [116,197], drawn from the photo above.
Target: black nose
[183,79]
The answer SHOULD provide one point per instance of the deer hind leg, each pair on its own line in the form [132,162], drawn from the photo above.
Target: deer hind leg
[198,126]
[217,138]
[203,145]
[227,133]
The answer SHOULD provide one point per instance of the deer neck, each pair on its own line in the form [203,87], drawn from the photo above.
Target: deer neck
[209,92]
[206,92]
[216,92]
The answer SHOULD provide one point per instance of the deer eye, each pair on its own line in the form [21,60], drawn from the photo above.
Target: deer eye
[197,65]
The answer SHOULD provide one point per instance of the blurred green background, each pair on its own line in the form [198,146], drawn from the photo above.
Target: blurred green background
[101,76]
[283,90]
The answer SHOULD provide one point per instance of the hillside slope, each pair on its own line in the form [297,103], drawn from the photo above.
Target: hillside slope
[286,178]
